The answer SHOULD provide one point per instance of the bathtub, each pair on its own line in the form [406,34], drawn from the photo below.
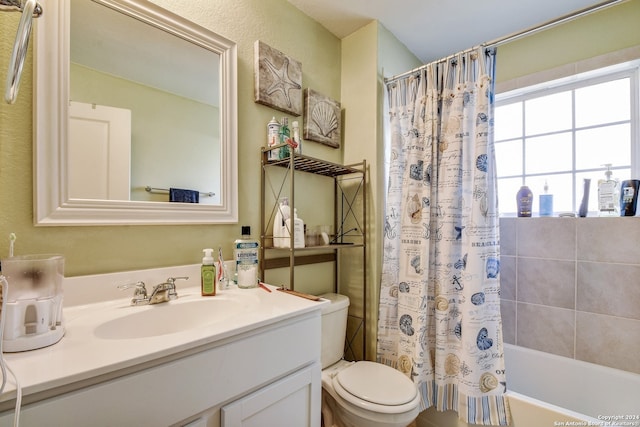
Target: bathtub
[549,390]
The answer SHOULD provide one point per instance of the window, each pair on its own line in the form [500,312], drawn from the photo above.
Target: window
[564,132]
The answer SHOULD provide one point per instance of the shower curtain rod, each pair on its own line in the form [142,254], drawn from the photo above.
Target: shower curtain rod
[520,34]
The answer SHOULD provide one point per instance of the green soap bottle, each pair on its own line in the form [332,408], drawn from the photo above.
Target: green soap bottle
[208,274]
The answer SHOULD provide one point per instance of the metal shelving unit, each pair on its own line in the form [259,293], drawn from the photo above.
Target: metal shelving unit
[350,213]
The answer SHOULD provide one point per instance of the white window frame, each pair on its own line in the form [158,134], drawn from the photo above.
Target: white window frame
[630,69]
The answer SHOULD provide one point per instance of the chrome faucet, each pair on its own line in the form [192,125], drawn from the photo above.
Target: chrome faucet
[163,292]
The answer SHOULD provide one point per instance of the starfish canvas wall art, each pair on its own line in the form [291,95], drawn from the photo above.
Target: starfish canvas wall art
[278,79]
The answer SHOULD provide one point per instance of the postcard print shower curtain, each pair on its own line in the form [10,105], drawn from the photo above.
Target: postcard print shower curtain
[439,314]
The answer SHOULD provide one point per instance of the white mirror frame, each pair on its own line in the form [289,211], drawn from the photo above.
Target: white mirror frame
[52,206]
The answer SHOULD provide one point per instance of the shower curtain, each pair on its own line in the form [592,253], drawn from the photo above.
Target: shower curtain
[439,313]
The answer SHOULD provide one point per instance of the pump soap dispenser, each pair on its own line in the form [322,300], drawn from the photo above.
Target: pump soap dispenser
[546,202]
[608,194]
[208,274]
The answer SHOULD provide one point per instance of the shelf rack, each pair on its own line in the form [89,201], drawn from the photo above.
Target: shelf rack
[349,186]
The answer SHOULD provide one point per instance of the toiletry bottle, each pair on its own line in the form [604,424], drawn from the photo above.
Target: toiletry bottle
[546,202]
[524,199]
[273,130]
[629,197]
[608,197]
[246,256]
[284,136]
[297,228]
[208,274]
[279,226]
[296,137]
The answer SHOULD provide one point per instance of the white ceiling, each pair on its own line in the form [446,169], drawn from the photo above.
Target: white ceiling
[434,29]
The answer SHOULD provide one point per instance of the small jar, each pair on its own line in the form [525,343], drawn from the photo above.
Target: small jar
[524,200]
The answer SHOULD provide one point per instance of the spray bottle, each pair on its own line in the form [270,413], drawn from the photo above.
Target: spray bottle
[273,139]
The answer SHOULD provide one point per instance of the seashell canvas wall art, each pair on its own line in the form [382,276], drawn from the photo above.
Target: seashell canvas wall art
[321,119]
[277,79]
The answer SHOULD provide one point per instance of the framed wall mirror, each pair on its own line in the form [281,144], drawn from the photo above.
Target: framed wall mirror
[135,117]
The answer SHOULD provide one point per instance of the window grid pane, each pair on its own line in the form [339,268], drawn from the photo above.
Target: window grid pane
[603,103]
[551,113]
[577,131]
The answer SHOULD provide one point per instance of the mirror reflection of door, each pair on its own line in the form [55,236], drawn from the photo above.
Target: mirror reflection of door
[99,152]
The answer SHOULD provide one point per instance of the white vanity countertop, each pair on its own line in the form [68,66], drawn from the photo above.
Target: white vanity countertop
[83,354]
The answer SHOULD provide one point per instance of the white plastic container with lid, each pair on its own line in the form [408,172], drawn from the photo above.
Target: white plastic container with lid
[283,213]
[297,228]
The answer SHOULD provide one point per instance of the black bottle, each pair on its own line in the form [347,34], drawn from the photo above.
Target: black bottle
[629,197]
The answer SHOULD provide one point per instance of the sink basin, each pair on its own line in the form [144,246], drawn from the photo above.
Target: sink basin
[175,316]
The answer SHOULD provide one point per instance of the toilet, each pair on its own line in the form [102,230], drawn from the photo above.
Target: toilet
[359,394]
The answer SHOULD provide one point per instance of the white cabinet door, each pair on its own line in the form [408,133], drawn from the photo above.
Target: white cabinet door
[291,401]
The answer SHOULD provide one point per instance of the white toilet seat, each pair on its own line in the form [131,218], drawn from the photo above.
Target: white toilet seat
[359,384]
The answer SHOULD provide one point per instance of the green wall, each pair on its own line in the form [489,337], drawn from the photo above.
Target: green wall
[93,250]
[367,55]
[611,29]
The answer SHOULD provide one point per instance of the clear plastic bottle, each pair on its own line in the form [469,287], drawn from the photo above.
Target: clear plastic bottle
[223,275]
[296,137]
[608,194]
[246,257]
[285,136]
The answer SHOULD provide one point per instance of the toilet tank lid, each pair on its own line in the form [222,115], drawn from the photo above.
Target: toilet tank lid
[336,302]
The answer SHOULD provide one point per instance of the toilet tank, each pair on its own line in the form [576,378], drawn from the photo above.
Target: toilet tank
[334,328]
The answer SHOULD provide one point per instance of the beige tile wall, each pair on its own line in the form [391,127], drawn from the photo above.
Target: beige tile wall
[571,286]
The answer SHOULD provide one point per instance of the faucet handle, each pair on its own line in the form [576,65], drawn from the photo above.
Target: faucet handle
[171,281]
[140,293]
[139,285]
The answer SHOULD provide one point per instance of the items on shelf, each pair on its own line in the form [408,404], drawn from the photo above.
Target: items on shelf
[326,243]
